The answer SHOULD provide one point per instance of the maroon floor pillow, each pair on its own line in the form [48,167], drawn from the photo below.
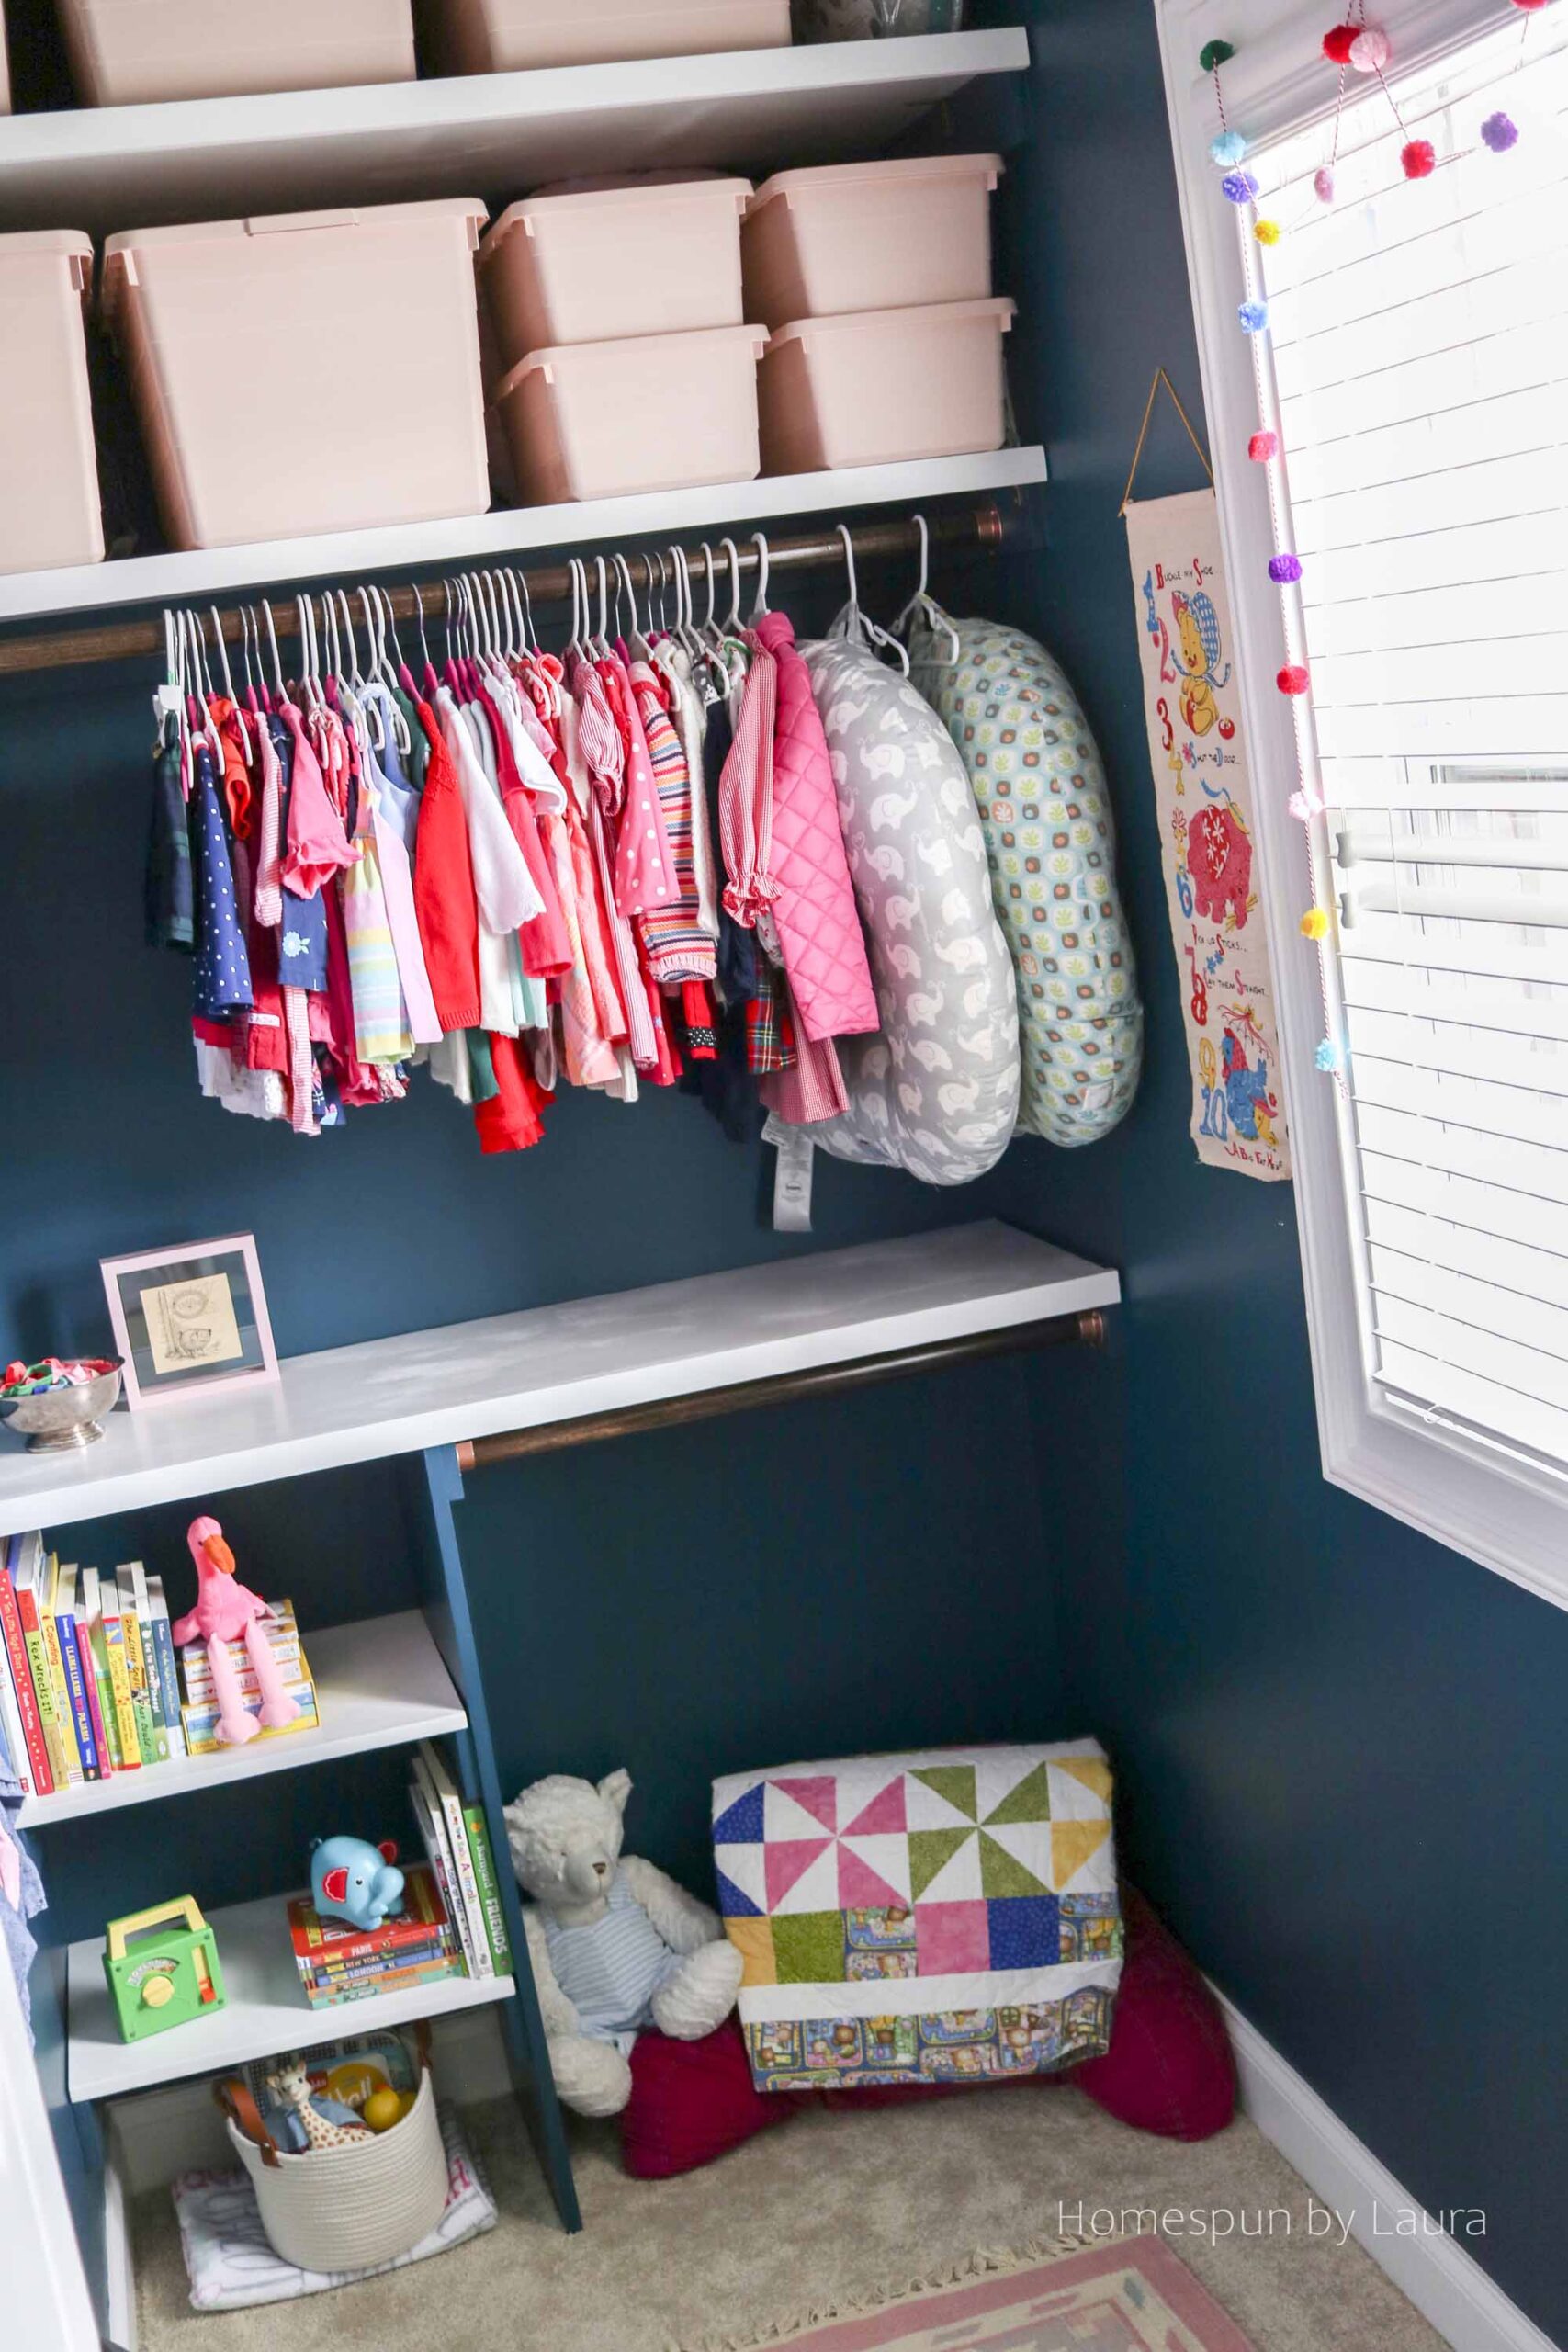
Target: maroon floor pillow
[1168,2069]
[693,2101]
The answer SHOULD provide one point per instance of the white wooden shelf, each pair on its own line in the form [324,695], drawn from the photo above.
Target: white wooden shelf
[380,1683]
[264,2010]
[493,135]
[551,1363]
[413,546]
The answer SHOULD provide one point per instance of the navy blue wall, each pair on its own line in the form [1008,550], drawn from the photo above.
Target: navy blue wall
[1343,1749]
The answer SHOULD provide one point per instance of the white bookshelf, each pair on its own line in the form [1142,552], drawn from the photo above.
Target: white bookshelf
[493,135]
[265,2010]
[380,1683]
[402,1395]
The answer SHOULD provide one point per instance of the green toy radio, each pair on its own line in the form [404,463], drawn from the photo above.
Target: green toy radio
[167,1980]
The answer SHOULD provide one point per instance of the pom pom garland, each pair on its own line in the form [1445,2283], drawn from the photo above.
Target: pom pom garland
[1305,805]
[1267,231]
[1262,447]
[1283,569]
[1529,4]
[1254,317]
[1213,54]
[1330,1057]
[1293,679]
[1240,187]
[1369,50]
[1227,147]
[1419,159]
[1314,923]
[1323,184]
[1499,131]
[1338,41]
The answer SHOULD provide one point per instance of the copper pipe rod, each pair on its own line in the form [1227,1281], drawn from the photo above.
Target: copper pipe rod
[1086,1329]
[971,528]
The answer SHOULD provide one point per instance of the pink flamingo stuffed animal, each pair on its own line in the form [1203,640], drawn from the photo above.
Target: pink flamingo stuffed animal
[224,1610]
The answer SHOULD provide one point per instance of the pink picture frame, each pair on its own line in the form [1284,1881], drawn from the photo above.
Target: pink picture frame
[179,1314]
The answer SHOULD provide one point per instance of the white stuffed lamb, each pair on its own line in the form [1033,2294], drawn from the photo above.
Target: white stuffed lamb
[614,1944]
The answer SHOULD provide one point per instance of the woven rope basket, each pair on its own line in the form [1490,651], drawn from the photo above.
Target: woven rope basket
[349,2207]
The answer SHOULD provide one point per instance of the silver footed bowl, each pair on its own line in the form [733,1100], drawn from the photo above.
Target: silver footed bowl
[62,1420]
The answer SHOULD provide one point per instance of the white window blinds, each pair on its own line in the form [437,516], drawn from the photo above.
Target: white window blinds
[1417,365]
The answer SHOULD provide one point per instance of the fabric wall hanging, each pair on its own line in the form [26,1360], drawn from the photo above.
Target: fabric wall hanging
[1203,795]
[946,1917]
[936,1091]
[1051,844]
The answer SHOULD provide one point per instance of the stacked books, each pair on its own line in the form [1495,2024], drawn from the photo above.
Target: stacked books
[459,1852]
[199,1713]
[338,1962]
[87,1680]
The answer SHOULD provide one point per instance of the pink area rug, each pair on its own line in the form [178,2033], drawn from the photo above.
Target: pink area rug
[1123,2298]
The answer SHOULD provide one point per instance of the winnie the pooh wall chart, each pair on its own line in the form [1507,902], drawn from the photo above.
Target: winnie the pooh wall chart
[1203,793]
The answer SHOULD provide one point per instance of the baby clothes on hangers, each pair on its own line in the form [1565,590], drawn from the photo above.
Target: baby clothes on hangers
[444,898]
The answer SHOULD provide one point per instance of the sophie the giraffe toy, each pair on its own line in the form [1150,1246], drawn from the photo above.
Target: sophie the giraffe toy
[226,1609]
[291,2087]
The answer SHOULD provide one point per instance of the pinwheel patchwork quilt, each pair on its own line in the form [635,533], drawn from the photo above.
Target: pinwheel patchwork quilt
[943,1916]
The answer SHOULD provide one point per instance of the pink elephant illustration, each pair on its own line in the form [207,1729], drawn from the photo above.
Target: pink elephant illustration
[1219,859]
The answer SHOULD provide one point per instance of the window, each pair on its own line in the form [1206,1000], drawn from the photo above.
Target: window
[1416,369]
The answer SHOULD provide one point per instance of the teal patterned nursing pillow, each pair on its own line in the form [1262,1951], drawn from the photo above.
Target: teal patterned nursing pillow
[1050,843]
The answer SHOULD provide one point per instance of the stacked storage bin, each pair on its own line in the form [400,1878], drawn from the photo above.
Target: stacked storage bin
[252,351]
[508,35]
[126,51]
[616,321]
[886,340]
[49,479]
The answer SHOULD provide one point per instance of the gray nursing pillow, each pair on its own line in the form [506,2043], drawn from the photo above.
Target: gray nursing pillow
[936,1091]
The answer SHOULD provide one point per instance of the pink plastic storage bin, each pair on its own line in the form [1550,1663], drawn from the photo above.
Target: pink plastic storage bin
[48,478]
[311,372]
[607,263]
[605,420]
[884,384]
[503,36]
[869,237]
[122,52]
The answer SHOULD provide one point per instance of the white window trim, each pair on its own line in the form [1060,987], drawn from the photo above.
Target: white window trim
[1461,1495]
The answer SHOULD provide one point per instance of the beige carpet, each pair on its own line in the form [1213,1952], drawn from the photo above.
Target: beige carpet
[828,2208]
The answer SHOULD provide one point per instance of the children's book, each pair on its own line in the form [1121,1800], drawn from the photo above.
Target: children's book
[72,1619]
[201,1723]
[129,1755]
[136,1664]
[151,1662]
[168,1680]
[95,1654]
[471,1911]
[54,1666]
[320,1942]
[25,1739]
[32,1597]
[490,1889]
[283,1640]
[438,1846]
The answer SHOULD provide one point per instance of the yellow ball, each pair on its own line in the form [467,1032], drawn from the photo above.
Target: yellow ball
[1267,231]
[383,2109]
[1314,923]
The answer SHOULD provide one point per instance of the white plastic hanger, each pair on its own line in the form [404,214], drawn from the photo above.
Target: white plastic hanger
[760,603]
[856,626]
[924,606]
[733,623]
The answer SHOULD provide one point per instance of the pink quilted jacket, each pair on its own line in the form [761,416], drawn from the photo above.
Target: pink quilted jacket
[818,925]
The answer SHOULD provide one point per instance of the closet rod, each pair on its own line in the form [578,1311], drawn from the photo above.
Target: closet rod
[1086,1329]
[971,528]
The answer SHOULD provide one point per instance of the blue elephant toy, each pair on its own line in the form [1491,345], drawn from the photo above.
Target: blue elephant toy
[353,1881]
